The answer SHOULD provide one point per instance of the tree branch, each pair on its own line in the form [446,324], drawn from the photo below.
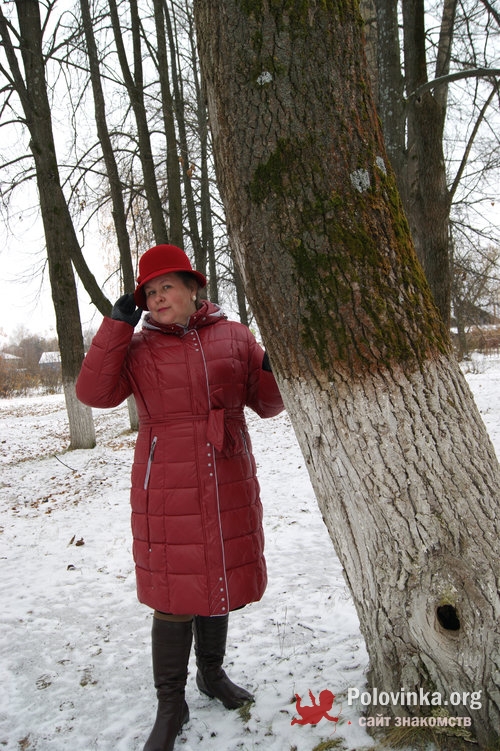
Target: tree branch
[471,73]
[465,157]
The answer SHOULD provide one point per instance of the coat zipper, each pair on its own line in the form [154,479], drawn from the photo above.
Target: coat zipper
[150,462]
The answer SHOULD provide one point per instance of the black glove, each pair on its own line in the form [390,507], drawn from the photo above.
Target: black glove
[125,310]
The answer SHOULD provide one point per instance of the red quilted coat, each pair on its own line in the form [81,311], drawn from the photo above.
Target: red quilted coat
[196,511]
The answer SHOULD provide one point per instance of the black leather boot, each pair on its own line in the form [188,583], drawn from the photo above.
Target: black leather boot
[171,645]
[210,635]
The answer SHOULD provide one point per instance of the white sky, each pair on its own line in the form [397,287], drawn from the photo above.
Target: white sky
[25,288]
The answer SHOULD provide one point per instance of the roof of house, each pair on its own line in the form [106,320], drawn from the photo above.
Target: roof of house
[49,358]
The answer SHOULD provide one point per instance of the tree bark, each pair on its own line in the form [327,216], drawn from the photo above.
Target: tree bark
[402,466]
[60,235]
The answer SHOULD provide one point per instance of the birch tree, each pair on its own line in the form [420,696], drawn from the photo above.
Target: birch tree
[403,470]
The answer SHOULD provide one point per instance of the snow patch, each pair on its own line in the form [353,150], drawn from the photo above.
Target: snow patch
[75,642]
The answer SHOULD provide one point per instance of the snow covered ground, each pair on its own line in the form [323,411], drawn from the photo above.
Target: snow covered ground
[74,641]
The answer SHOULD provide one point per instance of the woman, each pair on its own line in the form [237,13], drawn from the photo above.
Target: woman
[196,512]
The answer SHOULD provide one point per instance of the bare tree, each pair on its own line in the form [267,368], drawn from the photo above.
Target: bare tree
[201,120]
[168,110]
[112,171]
[134,83]
[413,100]
[60,236]
[158,110]
[185,157]
[402,466]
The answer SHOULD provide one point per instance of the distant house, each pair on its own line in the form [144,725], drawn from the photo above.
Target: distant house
[13,362]
[50,361]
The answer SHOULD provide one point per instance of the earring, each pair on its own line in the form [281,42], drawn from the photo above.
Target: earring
[193,298]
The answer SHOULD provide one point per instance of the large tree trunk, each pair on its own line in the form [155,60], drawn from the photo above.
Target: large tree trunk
[60,236]
[401,463]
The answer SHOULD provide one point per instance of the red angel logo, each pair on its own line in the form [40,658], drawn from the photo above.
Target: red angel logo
[318,711]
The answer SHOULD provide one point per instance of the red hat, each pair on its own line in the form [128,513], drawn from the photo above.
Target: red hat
[162,259]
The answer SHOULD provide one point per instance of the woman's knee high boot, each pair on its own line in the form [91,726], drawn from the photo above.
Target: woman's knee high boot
[210,635]
[171,645]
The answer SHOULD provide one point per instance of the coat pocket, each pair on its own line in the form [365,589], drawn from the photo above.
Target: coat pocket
[150,462]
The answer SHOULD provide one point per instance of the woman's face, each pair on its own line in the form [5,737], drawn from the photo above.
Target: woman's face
[169,300]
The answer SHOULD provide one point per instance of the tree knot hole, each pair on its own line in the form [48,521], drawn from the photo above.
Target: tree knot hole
[448,617]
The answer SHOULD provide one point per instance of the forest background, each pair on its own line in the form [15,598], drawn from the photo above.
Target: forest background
[135,165]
